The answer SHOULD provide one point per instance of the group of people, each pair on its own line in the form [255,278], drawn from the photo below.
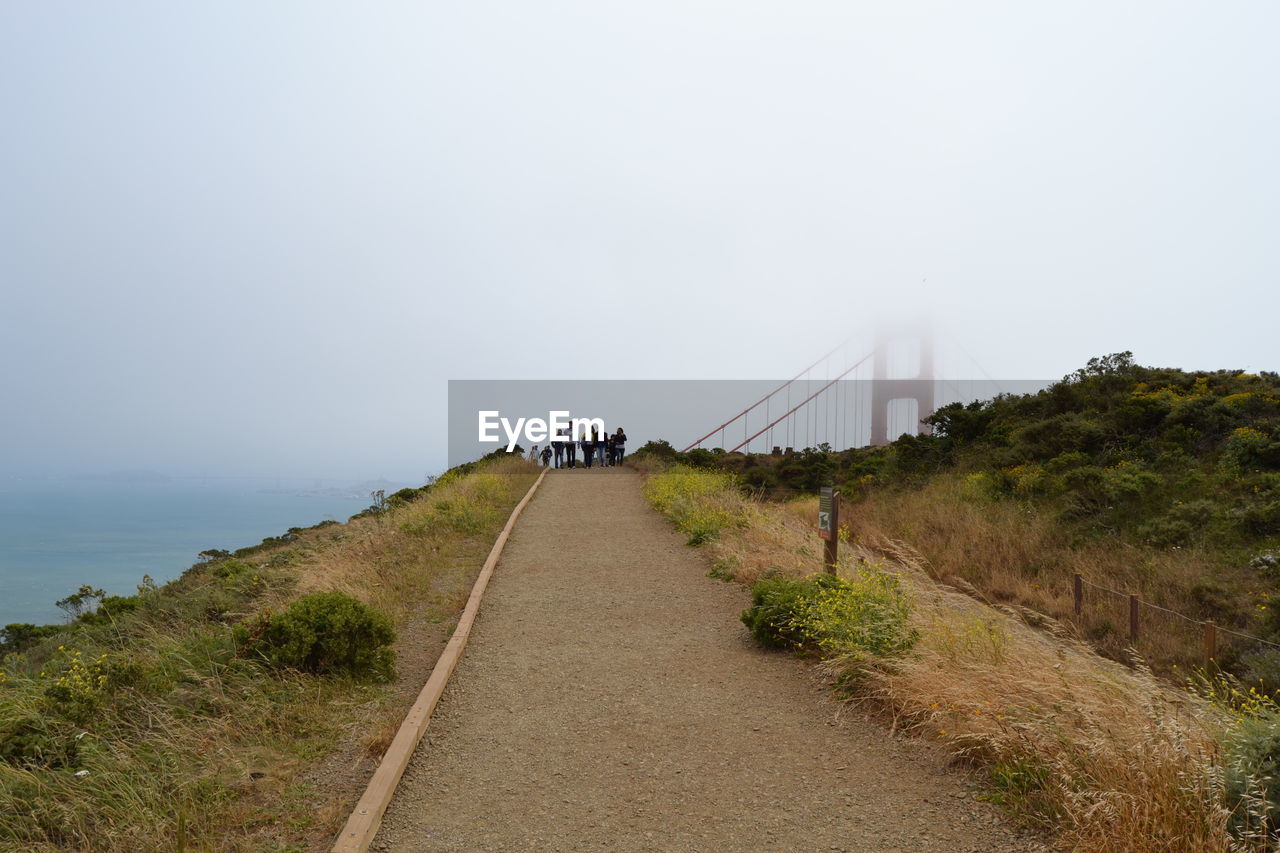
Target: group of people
[600,449]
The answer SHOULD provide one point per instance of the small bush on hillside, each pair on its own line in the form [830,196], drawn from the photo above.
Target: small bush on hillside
[79,683]
[659,449]
[231,569]
[35,741]
[772,618]
[110,608]
[1252,772]
[700,457]
[691,497]
[20,636]
[824,613]
[323,633]
[704,524]
[1167,532]
[1251,448]
[1249,741]
[1262,671]
[724,568]
[1261,519]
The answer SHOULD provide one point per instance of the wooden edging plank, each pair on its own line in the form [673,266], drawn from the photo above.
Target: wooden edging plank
[363,824]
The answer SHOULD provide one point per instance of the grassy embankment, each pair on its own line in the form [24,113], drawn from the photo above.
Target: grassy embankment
[208,713]
[1159,482]
[1101,756]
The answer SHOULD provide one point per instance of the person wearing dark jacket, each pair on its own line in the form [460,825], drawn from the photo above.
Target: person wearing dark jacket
[588,447]
[619,445]
[558,445]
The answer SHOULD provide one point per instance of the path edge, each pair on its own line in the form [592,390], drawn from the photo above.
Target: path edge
[366,818]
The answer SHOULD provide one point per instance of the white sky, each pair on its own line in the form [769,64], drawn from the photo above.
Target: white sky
[245,237]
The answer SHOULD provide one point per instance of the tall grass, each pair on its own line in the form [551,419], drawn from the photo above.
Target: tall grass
[1012,555]
[1102,757]
[150,731]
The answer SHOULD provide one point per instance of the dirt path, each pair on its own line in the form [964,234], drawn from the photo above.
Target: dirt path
[610,699]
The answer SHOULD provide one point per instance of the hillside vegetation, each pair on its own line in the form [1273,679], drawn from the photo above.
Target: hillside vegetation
[237,707]
[1102,757]
[1154,481]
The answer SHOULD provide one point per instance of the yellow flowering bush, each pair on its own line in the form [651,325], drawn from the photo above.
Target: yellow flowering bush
[79,683]
[866,612]
[694,499]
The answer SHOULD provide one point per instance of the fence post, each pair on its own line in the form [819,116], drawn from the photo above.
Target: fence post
[832,555]
[1079,593]
[1210,643]
[1133,618]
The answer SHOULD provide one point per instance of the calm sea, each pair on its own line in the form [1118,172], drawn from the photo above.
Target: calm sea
[58,534]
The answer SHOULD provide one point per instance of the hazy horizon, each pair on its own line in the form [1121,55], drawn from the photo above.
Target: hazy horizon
[261,239]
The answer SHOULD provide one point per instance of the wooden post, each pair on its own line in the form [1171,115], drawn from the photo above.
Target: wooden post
[832,549]
[1133,618]
[1210,643]
[1078,591]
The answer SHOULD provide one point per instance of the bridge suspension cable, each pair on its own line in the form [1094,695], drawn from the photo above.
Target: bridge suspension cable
[785,385]
[799,405]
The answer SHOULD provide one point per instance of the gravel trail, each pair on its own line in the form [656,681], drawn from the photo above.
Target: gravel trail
[609,699]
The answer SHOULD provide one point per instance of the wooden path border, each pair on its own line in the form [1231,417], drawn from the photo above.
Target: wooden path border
[363,824]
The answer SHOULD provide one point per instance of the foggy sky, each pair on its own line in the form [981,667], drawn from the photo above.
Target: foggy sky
[260,237]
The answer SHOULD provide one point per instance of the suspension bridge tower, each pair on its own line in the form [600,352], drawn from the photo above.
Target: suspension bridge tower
[903,400]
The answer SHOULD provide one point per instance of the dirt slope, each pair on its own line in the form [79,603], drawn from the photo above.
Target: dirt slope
[610,699]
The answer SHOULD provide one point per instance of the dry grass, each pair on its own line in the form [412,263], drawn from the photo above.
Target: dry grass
[1014,556]
[391,560]
[1100,756]
[1105,757]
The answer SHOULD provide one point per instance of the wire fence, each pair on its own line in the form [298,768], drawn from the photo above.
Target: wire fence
[1108,608]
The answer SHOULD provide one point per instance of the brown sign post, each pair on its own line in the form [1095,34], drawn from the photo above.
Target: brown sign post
[829,526]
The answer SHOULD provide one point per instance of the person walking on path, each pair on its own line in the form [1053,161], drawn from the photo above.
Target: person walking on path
[601,441]
[533,454]
[546,456]
[619,446]
[588,447]
[558,445]
[570,453]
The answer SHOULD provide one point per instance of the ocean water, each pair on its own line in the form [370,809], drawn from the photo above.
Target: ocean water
[58,534]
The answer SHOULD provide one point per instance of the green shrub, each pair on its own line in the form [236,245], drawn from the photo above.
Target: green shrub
[865,613]
[1261,670]
[703,524]
[1167,532]
[323,633]
[1251,448]
[20,636]
[660,449]
[110,608]
[78,685]
[228,569]
[700,457]
[724,568]
[1261,519]
[1251,774]
[776,602]
[1180,526]
[691,497]
[35,741]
